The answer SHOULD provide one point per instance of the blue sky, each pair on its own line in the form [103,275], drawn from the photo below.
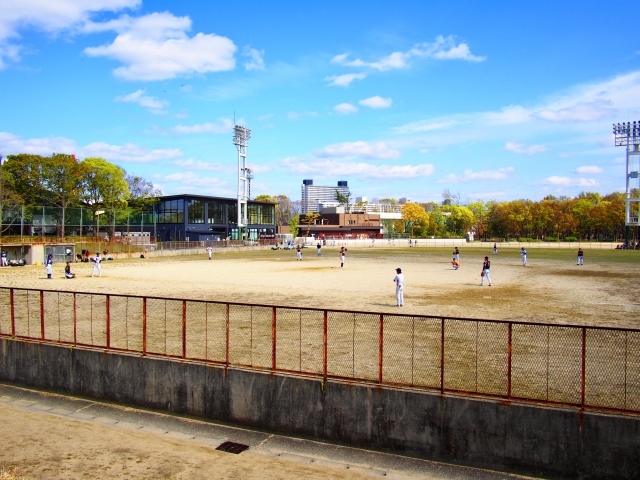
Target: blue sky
[498,101]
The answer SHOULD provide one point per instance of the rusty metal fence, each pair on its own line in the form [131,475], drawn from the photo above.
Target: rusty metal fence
[585,367]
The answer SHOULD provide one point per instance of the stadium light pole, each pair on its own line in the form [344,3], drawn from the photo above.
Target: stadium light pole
[628,135]
[241,136]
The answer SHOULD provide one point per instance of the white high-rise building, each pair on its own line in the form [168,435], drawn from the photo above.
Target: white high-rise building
[312,195]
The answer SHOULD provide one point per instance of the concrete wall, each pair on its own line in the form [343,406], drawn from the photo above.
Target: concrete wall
[481,433]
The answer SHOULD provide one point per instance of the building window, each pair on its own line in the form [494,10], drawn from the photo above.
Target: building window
[171,211]
[253,213]
[196,211]
[215,212]
[268,215]
[233,213]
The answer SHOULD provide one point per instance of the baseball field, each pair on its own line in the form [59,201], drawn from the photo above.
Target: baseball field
[551,288]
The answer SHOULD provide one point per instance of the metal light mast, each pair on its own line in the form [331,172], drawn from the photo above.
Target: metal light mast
[628,135]
[249,177]
[241,138]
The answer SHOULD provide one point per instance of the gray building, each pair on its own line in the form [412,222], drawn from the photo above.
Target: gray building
[199,218]
[312,195]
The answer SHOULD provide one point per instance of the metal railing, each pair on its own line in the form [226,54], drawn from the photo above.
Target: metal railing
[579,366]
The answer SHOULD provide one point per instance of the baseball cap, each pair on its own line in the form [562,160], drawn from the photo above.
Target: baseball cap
[399,270]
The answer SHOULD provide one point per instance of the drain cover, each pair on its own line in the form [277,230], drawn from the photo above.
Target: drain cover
[232,447]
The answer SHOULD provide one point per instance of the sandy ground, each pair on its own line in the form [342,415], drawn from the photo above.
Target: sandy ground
[42,446]
[552,288]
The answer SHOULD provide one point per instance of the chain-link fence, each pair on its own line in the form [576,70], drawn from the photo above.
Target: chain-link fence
[587,367]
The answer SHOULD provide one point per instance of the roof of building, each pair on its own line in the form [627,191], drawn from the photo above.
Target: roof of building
[207,197]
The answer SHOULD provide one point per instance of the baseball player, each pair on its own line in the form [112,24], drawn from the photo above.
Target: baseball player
[486,266]
[298,253]
[456,254]
[523,252]
[399,281]
[343,255]
[209,251]
[580,257]
[67,271]
[48,265]
[319,247]
[3,258]
[455,263]
[96,265]
[495,249]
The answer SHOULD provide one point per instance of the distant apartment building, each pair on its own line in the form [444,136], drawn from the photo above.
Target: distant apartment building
[314,195]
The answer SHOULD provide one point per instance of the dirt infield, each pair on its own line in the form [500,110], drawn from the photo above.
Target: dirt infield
[552,288]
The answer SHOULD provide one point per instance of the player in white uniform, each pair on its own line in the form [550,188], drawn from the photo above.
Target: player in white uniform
[523,252]
[3,258]
[48,265]
[96,265]
[298,253]
[486,266]
[343,256]
[209,251]
[399,281]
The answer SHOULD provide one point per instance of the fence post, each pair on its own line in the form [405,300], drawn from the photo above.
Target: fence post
[144,325]
[380,348]
[273,338]
[227,340]
[509,361]
[41,315]
[442,356]
[13,313]
[75,320]
[108,313]
[324,346]
[184,329]
[583,373]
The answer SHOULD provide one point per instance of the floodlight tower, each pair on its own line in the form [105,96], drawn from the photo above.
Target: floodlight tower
[628,135]
[249,176]
[241,138]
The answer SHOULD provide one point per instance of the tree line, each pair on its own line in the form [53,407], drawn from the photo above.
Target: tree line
[588,216]
[62,181]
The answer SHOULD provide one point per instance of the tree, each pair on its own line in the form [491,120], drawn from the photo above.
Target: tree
[414,215]
[265,198]
[293,226]
[106,187]
[450,198]
[344,200]
[27,177]
[143,195]
[64,181]
[310,218]
[286,209]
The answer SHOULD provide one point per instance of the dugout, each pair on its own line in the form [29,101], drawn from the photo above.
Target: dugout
[62,253]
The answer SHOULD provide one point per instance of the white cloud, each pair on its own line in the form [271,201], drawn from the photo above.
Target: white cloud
[331,167]
[256,58]
[579,112]
[443,48]
[157,47]
[223,126]
[192,179]
[345,80]
[523,149]
[192,164]
[376,102]
[379,150]
[48,16]
[589,169]
[471,176]
[128,152]
[570,182]
[619,160]
[424,126]
[345,108]
[151,103]
[486,195]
